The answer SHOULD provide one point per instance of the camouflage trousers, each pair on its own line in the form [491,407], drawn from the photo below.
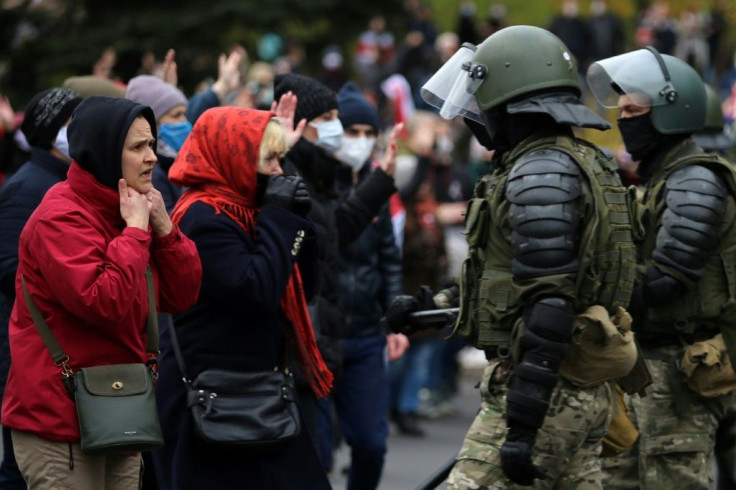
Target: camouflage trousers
[568,444]
[677,431]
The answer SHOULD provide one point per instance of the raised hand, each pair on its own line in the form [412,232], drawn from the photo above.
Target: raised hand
[170,73]
[228,73]
[135,208]
[388,161]
[285,108]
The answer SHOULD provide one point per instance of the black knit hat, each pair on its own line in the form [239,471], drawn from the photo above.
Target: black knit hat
[354,107]
[46,113]
[313,98]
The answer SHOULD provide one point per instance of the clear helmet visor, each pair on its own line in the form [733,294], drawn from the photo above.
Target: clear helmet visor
[637,74]
[452,89]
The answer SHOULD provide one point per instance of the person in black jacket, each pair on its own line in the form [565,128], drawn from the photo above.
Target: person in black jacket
[258,261]
[338,222]
[44,126]
[370,273]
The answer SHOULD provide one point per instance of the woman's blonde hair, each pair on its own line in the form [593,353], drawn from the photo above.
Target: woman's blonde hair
[273,141]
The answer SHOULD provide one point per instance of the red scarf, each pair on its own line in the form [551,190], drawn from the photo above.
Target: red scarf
[218,162]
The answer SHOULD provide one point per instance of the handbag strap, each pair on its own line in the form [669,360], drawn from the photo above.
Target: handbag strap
[57,353]
[177,354]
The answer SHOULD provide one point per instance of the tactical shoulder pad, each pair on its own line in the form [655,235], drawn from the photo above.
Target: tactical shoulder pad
[543,177]
[543,188]
[695,199]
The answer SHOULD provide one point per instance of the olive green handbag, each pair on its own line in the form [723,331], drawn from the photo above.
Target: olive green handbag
[116,404]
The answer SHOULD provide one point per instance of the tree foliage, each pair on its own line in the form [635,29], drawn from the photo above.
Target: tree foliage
[49,42]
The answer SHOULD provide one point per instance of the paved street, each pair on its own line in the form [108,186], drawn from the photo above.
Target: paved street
[411,460]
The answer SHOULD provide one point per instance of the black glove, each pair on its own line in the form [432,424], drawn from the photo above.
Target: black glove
[288,192]
[398,312]
[516,458]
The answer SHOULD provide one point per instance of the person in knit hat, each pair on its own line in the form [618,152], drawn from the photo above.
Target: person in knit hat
[169,105]
[339,222]
[44,125]
[370,276]
[45,115]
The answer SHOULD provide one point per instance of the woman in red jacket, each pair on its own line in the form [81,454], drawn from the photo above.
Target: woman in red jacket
[83,255]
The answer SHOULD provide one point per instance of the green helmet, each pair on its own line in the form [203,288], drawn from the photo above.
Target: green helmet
[715,136]
[511,62]
[672,88]
[522,59]
[714,120]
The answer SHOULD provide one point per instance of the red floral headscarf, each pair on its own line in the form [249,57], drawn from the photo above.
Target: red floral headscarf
[218,163]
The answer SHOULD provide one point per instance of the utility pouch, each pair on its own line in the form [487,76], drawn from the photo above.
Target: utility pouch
[707,367]
[621,433]
[601,348]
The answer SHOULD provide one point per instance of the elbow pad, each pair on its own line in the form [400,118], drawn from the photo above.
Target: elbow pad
[543,346]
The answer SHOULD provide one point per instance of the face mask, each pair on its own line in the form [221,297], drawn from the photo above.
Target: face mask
[174,134]
[639,135]
[62,143]
[355,151]
[329,135]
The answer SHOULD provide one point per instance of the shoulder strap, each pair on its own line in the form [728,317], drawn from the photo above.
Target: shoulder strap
[177,353]
[58,354]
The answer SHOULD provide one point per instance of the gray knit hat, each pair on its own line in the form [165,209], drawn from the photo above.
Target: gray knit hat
[155,93]
[313,98]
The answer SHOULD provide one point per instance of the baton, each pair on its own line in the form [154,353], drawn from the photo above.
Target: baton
[421,320]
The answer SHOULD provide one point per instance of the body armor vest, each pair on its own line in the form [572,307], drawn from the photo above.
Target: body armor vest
[712,302]
[490,305]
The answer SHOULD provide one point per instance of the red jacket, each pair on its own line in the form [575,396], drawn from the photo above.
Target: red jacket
[86,273]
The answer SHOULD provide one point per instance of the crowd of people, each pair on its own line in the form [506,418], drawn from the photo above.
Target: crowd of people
[296,222]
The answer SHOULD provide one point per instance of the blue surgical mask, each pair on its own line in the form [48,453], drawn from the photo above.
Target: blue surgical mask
[62,143]
[174,134]
[329,135]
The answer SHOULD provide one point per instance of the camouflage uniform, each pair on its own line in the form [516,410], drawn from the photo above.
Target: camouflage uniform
[677,432]
[568,445]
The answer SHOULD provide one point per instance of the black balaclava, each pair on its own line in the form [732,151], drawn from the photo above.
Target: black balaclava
[505,130]
[97,133]
[643,141]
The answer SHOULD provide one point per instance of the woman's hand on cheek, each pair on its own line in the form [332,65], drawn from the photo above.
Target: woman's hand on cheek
[160,220]
[134,206]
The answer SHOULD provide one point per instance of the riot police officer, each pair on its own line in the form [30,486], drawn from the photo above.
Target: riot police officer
[684,299]
[550,240]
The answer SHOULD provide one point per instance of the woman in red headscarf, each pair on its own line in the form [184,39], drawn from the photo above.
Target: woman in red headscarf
[258,253]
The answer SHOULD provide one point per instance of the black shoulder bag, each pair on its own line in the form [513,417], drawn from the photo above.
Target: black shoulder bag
[116,404]
[251,409]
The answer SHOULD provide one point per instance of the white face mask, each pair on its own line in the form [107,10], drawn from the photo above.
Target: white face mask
[355,151]
[62,143]
[329,135]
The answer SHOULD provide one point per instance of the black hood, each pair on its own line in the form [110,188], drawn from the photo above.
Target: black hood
[97,133]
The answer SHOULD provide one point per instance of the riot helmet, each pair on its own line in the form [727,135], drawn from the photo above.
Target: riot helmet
[671,87]
[715,136]
[510,64]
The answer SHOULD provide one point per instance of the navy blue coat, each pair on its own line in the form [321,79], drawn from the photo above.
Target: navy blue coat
[19,197]
[237,324]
